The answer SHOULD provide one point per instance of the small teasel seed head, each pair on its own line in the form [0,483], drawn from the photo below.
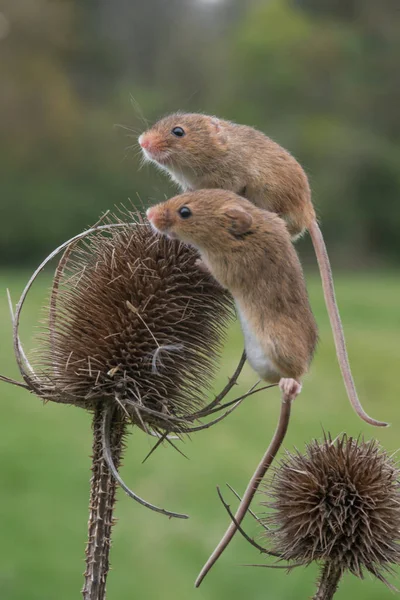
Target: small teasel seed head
[136,321]
[338,503]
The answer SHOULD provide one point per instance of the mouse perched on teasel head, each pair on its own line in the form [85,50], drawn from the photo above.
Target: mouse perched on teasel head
[249,252]
[200,151]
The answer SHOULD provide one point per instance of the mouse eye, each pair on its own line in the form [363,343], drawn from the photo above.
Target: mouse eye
[184,212]
[178,131]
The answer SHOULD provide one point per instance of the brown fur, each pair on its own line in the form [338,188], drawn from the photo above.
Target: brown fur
[249,251]
[219,154]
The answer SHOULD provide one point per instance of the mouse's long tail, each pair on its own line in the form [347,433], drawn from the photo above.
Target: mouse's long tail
[252,487]
[336,324]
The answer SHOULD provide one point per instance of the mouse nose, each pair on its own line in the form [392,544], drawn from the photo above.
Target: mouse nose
[150,212]
[144,142]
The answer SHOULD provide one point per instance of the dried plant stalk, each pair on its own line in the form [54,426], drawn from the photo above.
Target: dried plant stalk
[329,581]
[101,506]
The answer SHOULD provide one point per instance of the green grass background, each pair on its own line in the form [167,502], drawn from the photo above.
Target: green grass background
[44,456]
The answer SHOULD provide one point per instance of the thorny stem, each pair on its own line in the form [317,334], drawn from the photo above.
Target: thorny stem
[101,506]
[252,487]
[328,582]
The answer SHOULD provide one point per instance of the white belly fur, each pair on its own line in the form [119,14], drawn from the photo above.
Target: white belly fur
[256,355]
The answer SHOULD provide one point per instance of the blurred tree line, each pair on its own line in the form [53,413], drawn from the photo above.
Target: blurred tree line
[321,78]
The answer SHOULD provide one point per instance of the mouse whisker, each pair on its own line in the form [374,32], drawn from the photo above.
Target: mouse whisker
[138,110]
[126,128]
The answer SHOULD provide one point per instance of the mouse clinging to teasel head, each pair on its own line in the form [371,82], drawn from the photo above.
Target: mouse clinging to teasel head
[199,151]
[249,252]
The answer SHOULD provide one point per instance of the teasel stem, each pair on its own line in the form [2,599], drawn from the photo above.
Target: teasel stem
[329,581]
[102,502]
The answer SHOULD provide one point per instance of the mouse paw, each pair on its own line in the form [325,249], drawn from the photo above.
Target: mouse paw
[202,266]
[290,388]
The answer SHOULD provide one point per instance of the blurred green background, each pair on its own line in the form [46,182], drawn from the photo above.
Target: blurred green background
[77,82]
[45,468]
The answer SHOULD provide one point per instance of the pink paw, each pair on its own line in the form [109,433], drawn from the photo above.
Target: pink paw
[290,388]
[202,266]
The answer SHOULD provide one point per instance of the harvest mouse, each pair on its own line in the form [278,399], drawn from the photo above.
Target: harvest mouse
[249,252]
[200,151]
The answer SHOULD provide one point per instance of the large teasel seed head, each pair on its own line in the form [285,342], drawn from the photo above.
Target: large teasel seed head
[338,503]
[132,319]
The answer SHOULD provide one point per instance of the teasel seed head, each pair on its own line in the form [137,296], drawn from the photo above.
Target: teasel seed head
[338,503]
[132,319]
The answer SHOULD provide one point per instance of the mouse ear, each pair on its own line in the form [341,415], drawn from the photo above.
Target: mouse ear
[218,130]
[241,221]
